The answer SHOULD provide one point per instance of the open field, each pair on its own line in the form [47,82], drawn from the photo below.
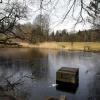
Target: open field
[76,46]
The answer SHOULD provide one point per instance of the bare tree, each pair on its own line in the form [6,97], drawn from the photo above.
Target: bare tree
[1,1]
[10,14]
[25,30]
[91,7]
[41,24]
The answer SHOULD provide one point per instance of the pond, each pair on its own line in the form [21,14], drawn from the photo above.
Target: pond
[35,70]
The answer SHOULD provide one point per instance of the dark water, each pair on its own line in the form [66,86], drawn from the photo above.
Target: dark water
[36,71]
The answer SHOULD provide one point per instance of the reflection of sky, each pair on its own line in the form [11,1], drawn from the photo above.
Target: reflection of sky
[86,64]
[41,65]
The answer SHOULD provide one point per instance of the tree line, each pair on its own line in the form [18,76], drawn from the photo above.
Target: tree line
[80,36]
[34,34]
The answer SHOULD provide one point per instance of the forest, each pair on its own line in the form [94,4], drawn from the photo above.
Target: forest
[11,30]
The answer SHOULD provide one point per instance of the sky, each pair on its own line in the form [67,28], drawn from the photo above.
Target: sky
[56,9]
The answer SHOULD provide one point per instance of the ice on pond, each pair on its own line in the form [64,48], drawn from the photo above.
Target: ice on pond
[53,85]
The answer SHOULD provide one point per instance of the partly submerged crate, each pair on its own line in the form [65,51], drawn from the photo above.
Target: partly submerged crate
[67,75]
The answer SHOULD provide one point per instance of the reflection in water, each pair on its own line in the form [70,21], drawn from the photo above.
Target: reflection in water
[21,69]
[35,70]
[70,88]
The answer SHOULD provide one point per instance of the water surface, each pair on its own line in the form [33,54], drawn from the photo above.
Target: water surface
[36,70]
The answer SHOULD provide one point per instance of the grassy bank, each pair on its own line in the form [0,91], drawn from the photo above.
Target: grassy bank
[76,46]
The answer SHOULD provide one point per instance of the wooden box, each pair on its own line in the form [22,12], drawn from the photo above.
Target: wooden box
[67,75]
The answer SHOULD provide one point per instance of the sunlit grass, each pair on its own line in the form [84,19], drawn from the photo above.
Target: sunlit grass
[76,46]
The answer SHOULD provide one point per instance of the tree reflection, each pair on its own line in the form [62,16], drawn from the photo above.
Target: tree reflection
[17,71]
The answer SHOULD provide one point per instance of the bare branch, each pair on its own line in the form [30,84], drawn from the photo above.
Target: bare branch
[1,1]
[69,10]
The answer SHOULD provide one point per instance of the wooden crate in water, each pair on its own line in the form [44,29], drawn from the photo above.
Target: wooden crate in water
[67,75]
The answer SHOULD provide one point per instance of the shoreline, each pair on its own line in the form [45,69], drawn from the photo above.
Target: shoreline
[66,46]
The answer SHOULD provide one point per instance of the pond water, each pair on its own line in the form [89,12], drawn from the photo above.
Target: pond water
[36,70]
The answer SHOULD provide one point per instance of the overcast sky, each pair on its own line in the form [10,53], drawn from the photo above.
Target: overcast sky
[56,10]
